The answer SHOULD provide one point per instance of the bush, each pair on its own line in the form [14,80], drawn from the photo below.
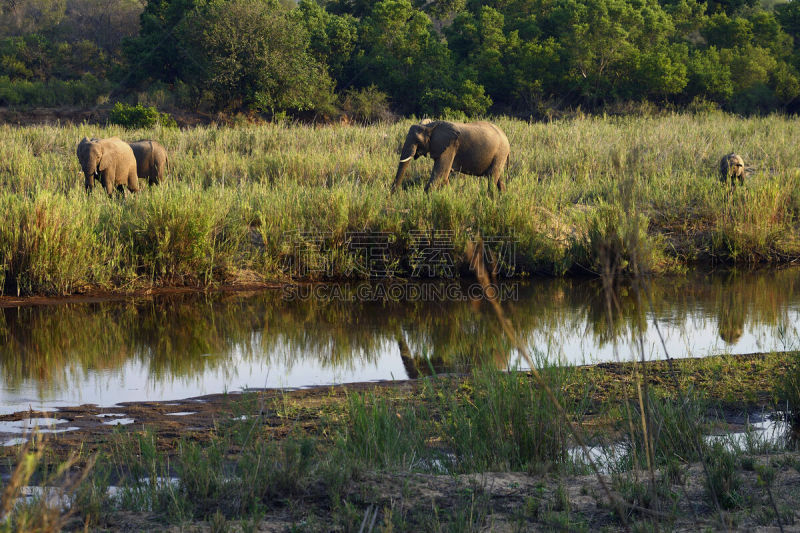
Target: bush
[139,117]
[83,92]
[366,105]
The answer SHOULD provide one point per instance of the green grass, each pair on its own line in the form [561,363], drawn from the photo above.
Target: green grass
[372,448]
[575,188]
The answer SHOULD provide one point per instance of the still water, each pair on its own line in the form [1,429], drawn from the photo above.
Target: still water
[180,347]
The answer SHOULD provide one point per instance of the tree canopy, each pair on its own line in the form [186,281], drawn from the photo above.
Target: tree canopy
[435,57]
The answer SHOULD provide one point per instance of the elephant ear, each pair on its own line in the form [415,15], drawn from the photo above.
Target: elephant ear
[445,131]
[106,156]
[83,150]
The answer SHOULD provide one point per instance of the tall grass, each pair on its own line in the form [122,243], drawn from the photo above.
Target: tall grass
[233,195]
[506,422]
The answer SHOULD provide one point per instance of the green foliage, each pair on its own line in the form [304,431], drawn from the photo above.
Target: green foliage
[87,91]
[723,478]
[506,423]
[332,38]
[139,117]
[366,105]
[255,53]
[452,58]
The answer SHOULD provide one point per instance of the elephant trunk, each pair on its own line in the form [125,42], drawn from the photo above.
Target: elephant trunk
[409,150]
[88,181]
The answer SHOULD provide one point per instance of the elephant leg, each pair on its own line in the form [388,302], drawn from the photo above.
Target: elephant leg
[495,176]
[499,181]
[441,167]
[107,180]
[133,182]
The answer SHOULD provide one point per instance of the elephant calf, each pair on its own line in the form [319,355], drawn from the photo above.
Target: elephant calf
[478,148]
[151,160]
[732,168]
[110,161]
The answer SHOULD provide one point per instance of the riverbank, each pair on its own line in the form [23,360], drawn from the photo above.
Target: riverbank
[272,203]
[434,453]
[733,384]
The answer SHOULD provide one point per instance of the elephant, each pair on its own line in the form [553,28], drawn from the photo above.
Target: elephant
[477,148]
[111,161]
[151,160]
[732,168]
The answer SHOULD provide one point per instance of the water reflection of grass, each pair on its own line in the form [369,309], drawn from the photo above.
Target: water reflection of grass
[172,337]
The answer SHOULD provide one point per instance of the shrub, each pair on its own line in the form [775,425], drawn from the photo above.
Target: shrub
[138,116]
[83,92]
[723,478]
[366,105]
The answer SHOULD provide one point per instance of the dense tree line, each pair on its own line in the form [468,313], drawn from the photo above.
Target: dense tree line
[433,57]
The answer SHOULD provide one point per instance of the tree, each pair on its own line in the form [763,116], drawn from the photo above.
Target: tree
[157,53]
[725,32]
[400,54]
[332,38]
[21,17]
[253,53]
[479,45]
[606,38]
[709,76]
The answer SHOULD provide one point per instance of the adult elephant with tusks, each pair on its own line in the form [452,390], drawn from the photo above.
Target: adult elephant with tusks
[477,148]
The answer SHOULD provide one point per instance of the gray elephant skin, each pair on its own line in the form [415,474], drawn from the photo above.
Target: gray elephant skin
[731,168]
[477,148]
[110,161]
[151,160]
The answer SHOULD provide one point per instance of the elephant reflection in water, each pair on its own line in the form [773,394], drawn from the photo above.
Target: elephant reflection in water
[456,345]
[731,313]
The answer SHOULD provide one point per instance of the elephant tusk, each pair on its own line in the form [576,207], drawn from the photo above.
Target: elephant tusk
[406,159]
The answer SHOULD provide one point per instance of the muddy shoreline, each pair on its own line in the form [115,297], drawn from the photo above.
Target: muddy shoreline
[540,499]
[305,409]
[99,296]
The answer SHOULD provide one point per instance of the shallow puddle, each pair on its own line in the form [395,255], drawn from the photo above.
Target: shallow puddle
[119,422]
[762,431]
[27,425]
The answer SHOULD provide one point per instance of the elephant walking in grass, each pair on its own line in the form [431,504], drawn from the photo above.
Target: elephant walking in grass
[477,148]
[151,160]
[110,161]
[731,167]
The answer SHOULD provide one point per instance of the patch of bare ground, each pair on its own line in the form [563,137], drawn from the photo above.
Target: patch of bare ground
[518,501]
